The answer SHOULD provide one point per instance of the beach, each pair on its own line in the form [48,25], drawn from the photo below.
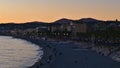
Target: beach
[67,54]
[59,54]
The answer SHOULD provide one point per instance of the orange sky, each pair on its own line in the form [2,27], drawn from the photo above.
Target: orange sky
[20,11]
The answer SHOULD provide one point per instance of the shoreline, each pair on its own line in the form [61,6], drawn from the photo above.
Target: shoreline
[48,50]
[40,43]
[37,43]
[48,55]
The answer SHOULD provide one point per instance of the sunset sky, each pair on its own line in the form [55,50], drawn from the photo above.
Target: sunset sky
[20,11]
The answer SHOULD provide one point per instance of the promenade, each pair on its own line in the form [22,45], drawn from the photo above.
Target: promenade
[69,55]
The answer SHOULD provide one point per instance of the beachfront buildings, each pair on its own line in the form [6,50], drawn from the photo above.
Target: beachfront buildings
[74,27]
[79,27]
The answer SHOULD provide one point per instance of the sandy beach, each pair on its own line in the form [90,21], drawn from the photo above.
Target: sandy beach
[59,54]
[70,55]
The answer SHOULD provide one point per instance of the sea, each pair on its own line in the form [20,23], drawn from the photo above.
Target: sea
[18,53]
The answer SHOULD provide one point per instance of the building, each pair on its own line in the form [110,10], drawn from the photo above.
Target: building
[74,27]
[79,28]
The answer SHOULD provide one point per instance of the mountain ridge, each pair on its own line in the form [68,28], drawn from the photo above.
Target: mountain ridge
[64,21]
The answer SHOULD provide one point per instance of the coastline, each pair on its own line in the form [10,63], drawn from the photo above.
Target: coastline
[33,41]
[48,55]
[50,51]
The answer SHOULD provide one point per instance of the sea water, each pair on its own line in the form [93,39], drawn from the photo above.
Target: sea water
[18,53]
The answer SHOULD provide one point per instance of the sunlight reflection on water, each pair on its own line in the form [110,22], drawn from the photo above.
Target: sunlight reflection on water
[17,53]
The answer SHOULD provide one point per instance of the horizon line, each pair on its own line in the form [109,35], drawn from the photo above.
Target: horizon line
[57,20]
